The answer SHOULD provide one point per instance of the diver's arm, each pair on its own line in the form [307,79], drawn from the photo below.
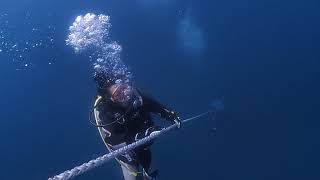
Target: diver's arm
[154,106]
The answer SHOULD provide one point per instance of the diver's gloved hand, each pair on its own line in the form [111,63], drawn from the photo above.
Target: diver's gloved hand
[178,122]
[172,116]
[151,130]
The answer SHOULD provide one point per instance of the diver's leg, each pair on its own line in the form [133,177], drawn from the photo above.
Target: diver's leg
[143,153]
[128,162]
[128,174]
[145,160]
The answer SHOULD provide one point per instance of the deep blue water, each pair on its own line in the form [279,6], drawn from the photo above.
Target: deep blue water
[260,59]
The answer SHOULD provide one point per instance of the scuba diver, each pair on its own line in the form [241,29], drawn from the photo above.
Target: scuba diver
[123,116]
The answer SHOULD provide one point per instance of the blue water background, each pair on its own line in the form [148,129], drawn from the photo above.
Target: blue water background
[259,58]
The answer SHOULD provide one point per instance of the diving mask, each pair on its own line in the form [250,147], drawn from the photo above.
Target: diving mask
[125,94]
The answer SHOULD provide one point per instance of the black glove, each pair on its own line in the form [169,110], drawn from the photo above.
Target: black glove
[178,122]
[172,116]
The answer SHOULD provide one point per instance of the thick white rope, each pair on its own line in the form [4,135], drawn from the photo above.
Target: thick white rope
[102,159]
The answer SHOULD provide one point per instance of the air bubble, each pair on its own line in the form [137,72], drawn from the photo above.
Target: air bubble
[92,32]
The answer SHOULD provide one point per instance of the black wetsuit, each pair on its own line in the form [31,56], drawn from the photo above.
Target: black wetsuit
[126,123]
